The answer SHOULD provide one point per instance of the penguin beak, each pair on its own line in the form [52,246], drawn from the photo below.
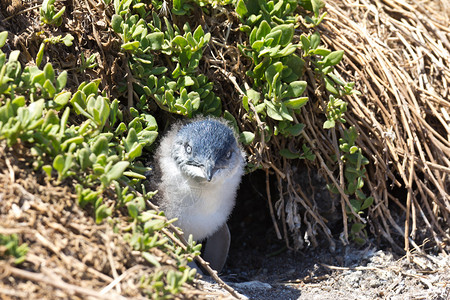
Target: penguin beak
[208,170]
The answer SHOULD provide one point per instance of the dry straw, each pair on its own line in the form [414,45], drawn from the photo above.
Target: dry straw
[397,53]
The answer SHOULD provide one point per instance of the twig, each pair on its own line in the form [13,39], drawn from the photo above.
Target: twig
[129,85]
[11,170]
[330,175]
[118,279]
[111,260]
[14,293]
[269,199]
[341,183]
[70,260]
[67,287]
[20,12]
[408,207]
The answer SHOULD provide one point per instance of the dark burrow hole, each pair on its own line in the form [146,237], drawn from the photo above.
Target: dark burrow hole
[252,231]
[257,254]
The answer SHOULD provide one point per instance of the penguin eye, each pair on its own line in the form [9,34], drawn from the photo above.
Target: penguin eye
[228,155]
[188,149]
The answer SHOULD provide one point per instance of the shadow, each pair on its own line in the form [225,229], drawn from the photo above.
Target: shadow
[257,258]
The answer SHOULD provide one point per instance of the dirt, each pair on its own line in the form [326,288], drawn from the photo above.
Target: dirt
[260,266]
[347,273]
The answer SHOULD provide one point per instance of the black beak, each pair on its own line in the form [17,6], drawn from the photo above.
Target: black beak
[209,170]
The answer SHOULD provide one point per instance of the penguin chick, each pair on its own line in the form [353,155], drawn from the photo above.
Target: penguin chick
[201,165]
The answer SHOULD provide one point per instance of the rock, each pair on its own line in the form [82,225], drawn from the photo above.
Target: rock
[257,285]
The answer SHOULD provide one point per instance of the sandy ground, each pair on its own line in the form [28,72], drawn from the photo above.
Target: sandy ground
[348,273]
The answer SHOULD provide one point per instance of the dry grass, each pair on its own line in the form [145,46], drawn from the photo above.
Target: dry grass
[397,53]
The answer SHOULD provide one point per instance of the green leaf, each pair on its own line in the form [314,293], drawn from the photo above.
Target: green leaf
[353,149]
[316,6]
[261,68]
[35,109]
[78,102]
[253,95]
[263,30]
[314,40]
[83,158]
[67,163]
[329,124]
[135,151]
[134,175]
[288,154]
[295,64]
[130,46]
[3,37]
[273,72]
[58,15]
[360,183]
[47,5]
[156,40]
[246,137]
[63,98]
[241,8]
[19,101]
[287,33]
[285,112]
[356,204]
[133,211]
[48,170]
[288,50]
[296,129]
[296,103]
[49,87]
[184,81]
[61,81]
[322,51]
[14,55]
[100,146]
[367,203]
[91,88]
[332,59]
[147,137]
[177,4]
[198,33]
[102,212]
[306,44]
[329,85]
[58,163]
[40,54]
[272,39]
[151,259]
[339,81]
[272,111]
[117,170]
[180,41]
[116,23]
[296,88]
[357,227]
[231,120]
[138,31]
